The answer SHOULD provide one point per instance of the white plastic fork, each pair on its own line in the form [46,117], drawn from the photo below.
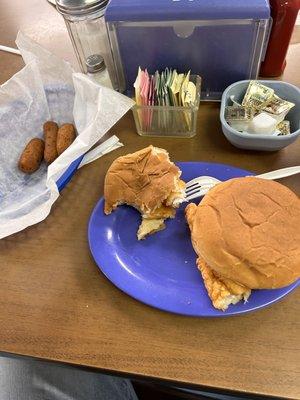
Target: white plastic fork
[198,187]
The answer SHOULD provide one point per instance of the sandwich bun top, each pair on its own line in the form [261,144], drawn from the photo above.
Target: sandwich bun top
[143,179]
[248,230]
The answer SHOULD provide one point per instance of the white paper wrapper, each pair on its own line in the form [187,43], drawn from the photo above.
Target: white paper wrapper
[109,145]
[46,89]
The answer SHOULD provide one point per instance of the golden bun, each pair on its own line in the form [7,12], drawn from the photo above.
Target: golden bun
[143,179]
[248,230]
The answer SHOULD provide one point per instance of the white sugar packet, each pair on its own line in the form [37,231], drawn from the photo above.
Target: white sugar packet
[47,89]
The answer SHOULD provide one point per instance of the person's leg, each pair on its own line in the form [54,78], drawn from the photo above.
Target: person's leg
[23,379]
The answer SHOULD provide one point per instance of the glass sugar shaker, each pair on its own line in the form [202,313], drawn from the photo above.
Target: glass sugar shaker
[87,29]
[96,70]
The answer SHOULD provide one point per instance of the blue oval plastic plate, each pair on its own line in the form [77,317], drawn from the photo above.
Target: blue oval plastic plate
[160,271]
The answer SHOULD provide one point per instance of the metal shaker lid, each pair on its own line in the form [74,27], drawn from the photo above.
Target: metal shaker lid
[80,7]
[95,63]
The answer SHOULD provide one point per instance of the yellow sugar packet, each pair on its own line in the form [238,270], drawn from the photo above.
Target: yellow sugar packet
[183,93]
[184,86]
[190,95]
[175,121]
[175,90]
[172,88]
[175,87]
[189,100]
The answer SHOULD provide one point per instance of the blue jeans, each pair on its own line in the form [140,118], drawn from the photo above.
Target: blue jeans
[23,379]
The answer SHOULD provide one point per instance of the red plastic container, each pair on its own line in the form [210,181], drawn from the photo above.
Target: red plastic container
[284,14]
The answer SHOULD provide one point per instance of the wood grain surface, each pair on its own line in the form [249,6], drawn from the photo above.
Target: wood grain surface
[56,305]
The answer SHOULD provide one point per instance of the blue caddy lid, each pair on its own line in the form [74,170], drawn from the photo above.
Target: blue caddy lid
[181,10]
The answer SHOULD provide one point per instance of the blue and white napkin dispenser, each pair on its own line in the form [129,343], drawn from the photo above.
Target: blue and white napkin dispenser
[223,41]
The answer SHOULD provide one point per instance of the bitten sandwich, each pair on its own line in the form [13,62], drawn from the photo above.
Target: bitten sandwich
[148,181]
[246,233]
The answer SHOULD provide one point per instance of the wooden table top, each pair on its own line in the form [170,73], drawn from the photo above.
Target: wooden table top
[55,305]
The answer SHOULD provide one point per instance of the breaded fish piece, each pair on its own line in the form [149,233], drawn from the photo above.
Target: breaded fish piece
[149,226]
[161,212]
[222,291]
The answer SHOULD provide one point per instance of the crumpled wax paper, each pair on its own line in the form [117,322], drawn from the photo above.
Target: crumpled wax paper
[46,89]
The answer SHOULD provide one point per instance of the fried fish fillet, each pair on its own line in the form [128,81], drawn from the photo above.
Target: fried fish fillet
[221,291]
[149,226]
[154,221]
[162,212]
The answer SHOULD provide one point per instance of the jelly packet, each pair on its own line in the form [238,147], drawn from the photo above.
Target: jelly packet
[278,108]
[257,95]
[259,100]
[239,117]
[283,128]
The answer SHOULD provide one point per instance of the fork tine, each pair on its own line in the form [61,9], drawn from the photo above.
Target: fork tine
[191,192]
[193,186]
[202,180]
[196,188]
[198,194]
[192,182]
